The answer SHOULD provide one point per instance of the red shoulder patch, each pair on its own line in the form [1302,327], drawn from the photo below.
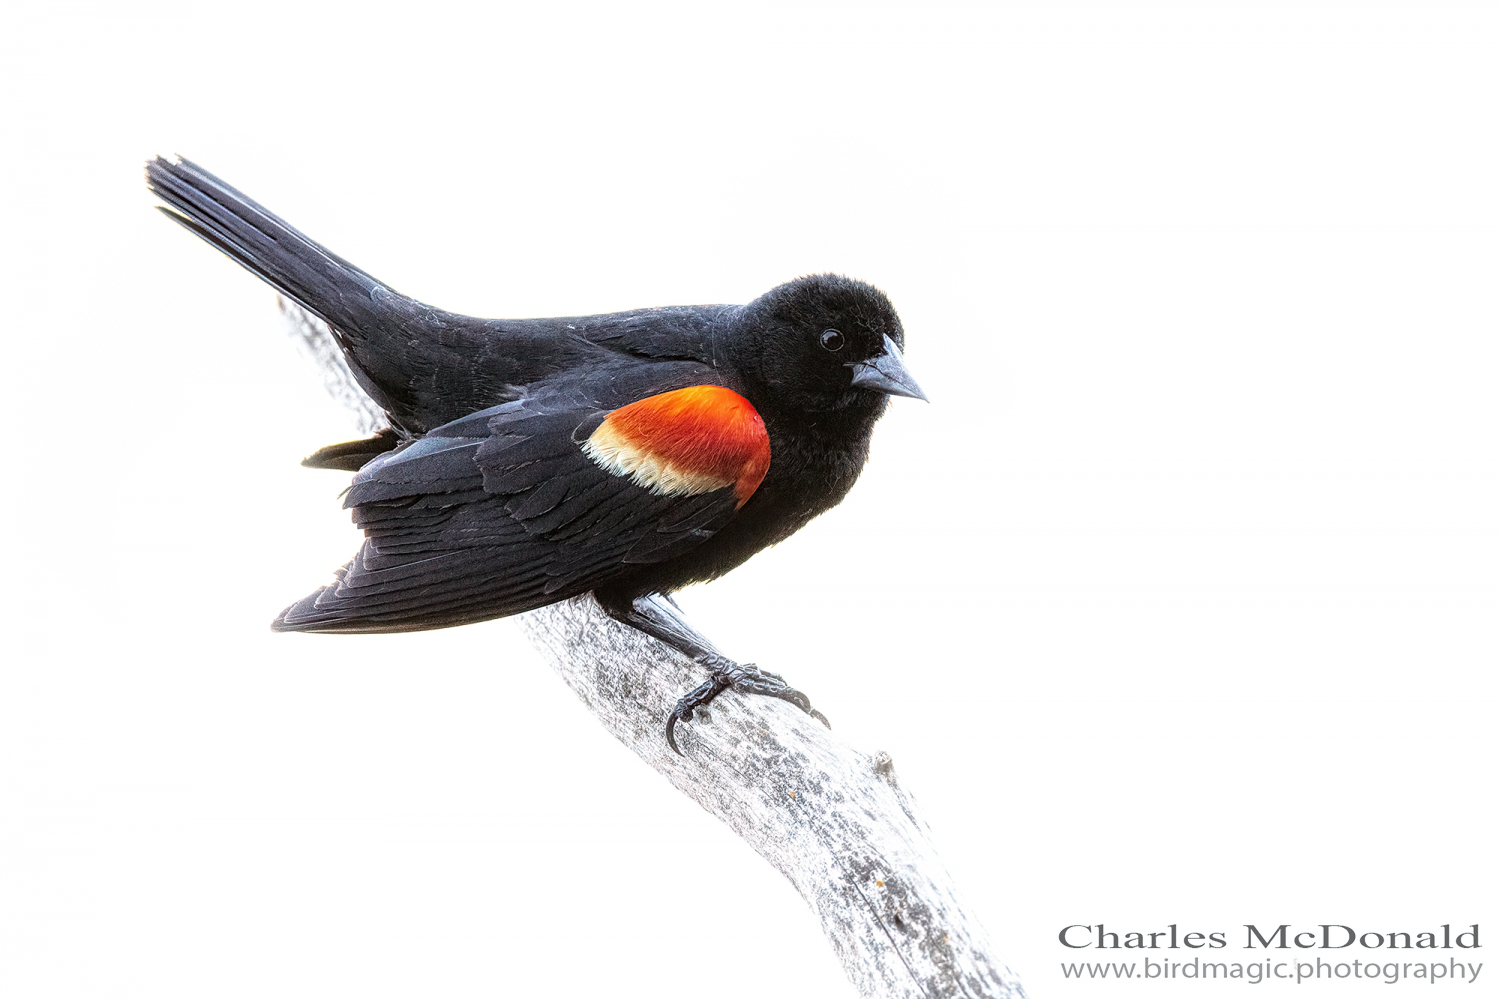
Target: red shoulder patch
[683,443]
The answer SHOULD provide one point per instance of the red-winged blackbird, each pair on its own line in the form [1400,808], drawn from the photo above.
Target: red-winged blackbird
[531,460]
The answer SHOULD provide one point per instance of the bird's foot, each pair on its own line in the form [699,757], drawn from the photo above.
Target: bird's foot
[745,678]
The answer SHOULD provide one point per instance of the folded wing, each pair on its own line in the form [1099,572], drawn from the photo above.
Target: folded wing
[528,503]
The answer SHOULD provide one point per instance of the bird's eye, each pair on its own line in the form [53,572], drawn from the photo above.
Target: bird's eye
[832,340]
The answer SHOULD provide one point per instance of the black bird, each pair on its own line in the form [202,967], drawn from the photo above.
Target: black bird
[532,460]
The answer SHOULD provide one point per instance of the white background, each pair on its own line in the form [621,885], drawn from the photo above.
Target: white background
[1177,604]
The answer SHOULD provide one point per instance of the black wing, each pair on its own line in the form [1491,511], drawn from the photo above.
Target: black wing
[497,513]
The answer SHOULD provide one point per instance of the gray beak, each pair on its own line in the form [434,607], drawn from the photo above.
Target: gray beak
[887,373]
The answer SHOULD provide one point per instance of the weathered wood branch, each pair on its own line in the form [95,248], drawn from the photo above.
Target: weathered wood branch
[834,820]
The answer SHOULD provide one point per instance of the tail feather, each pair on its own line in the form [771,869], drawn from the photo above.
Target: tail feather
[362,313]
[263,244]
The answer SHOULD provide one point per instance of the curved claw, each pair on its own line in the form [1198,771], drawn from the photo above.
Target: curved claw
[679,713]
[683,709]
[671,739]
[748,680]
[792,696]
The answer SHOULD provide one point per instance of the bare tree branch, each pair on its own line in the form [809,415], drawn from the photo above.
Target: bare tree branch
[835,821]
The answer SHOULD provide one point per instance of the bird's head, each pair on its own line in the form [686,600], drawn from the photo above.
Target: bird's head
[822,344]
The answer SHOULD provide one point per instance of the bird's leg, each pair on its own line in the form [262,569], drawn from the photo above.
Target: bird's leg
[659,617]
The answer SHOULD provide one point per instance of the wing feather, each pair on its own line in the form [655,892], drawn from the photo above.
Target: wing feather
[496,513]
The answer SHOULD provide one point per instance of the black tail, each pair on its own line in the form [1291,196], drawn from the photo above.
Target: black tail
[267,247]
[372,323]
